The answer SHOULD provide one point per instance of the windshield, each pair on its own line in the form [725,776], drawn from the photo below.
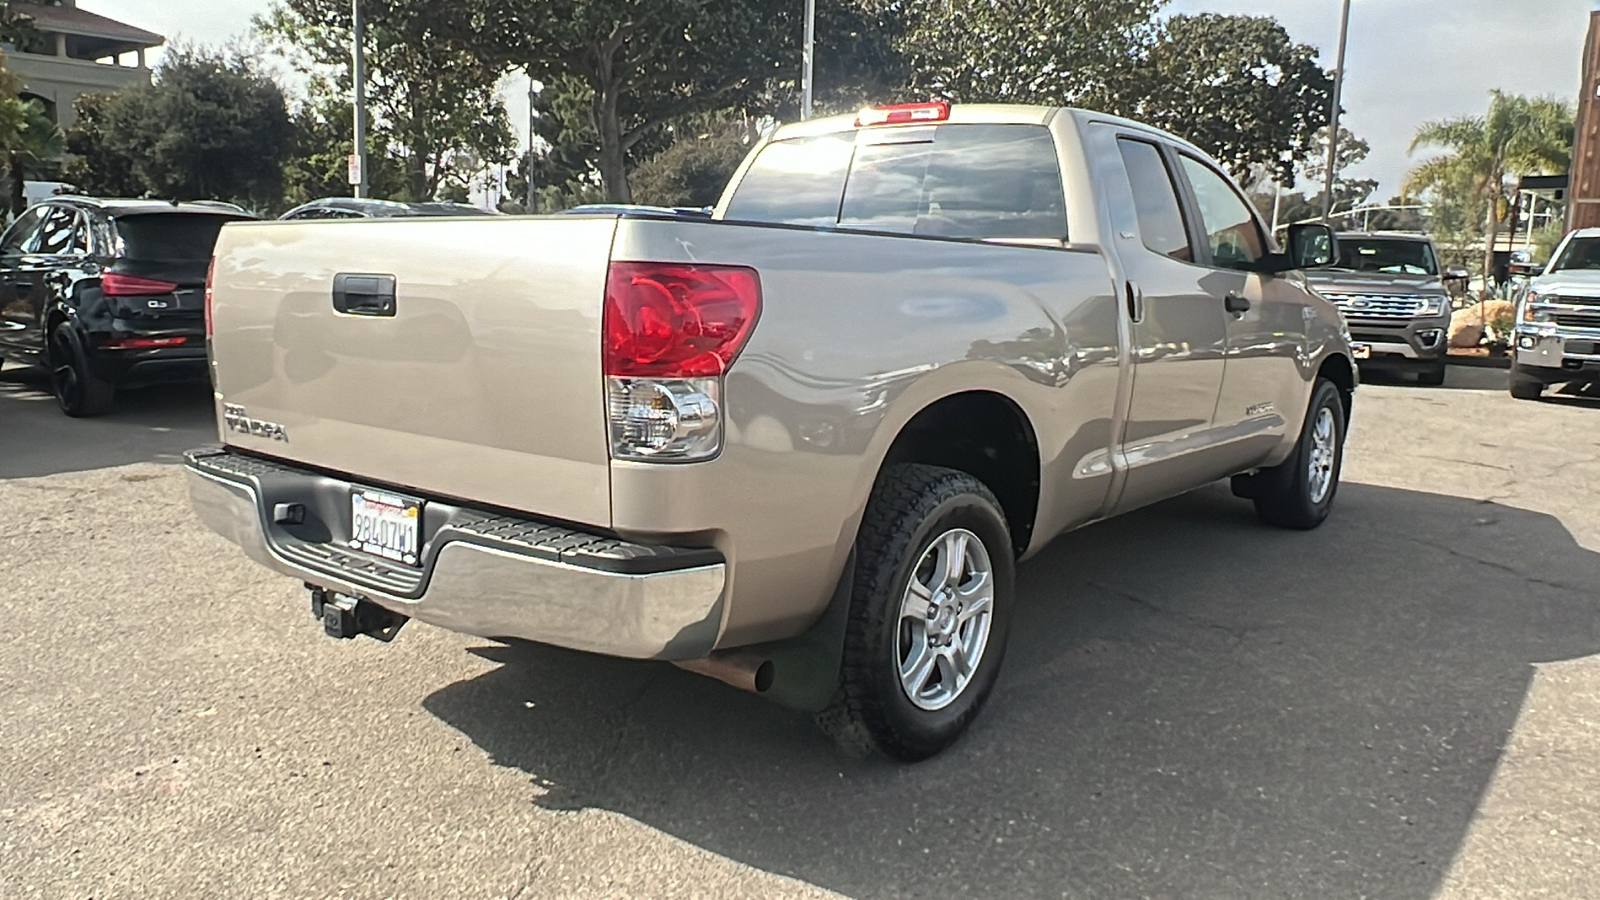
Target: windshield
[1395,257]
[1580,253]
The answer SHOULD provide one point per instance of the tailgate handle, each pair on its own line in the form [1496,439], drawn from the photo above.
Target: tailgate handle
[363,295]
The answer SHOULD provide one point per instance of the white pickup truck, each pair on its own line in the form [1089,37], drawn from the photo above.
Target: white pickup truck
[799,445]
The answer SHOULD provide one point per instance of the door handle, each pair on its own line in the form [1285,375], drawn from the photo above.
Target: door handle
[1236,304]
[1135,300]
[364,295]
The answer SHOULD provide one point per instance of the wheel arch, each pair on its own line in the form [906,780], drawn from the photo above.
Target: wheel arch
[1341,370]
[987,435]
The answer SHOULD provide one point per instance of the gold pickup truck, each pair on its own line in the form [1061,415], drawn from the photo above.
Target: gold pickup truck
[799,444]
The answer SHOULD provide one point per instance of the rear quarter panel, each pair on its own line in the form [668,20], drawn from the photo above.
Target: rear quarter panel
[857,334]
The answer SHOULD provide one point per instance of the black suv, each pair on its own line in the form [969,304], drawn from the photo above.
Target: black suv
[108,293]
[368,208]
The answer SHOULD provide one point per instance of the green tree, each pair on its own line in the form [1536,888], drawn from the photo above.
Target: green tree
[35,149]
[97,163]
[695,168]
[1516,136]
[432,104]
[1051,52]
[1236,86]
[210,126]
[635,66]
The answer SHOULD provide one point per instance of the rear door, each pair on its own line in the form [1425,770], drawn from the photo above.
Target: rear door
[1263,390]
[39,275]
[1178,334]
[467,362]
[16,310]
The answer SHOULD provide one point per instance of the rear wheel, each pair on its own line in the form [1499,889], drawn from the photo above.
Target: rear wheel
[929,614]
[1299,492]
[78,391]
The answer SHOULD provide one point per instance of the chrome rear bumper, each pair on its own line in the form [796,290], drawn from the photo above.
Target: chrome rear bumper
[482,573]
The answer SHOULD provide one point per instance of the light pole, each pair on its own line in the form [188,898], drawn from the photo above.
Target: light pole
[806,60]
[358,74]
[1333,118]
[527,168]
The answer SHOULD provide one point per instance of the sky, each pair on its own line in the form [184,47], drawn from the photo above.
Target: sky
[1408,60]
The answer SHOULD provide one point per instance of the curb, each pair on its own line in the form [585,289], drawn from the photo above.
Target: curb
[1479,362]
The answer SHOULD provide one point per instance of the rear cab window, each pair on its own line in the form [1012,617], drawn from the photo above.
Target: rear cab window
[983,182]
[170,236]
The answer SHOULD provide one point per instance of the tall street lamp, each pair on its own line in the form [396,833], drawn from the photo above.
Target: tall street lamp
[358,74]
[806,60]
[1333,118]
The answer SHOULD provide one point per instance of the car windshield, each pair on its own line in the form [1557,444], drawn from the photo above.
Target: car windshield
[1580,253]
[1395,257]
[171,236]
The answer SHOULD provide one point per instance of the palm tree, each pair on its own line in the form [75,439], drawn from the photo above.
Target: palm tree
[1517,136]
[32,147]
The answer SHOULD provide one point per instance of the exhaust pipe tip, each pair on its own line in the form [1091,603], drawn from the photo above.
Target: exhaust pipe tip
[738,668]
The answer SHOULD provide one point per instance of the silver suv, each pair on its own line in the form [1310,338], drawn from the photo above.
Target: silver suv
[1389,289]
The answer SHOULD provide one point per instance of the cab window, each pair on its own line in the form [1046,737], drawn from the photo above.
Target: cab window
[1155,200]
[1230,226]
[19,236]
[55,236]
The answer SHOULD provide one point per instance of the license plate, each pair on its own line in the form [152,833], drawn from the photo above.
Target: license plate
[1361,351]
[385,525]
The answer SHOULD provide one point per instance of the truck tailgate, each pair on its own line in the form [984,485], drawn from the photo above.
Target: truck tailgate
[482,382]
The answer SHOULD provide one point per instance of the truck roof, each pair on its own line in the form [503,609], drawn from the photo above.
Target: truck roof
[980,114]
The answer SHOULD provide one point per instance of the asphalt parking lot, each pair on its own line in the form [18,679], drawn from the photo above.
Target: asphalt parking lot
[1404,704]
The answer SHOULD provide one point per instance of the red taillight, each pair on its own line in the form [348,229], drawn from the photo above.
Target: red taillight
[116,284]
[211,269]
[142,343]
[671,320]
[903,113]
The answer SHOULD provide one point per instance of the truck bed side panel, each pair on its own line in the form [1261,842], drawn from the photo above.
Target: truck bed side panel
[857,334]
[485,385]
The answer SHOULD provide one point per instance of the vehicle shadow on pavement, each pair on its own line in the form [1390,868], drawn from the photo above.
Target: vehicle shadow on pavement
[153,424]
[1193,706]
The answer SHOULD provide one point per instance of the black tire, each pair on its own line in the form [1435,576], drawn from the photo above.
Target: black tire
[1526,388]
[913,510]
[1432,377]
[1283,494]
[78,392]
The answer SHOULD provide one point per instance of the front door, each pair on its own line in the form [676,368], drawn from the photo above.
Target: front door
[1179,337]
[1263,390]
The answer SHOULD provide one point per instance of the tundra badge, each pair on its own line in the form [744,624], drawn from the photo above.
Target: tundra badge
[238,420]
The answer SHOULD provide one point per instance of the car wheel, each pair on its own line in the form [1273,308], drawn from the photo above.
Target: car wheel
[78,391]
[1299,492]
[1526,388]
[930,609]
[1432,377]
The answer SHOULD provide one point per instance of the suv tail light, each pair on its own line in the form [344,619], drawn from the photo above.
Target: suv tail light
[669,332]
[211,270]
[116,284]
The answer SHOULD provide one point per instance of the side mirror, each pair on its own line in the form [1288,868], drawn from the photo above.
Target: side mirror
[1457,273]
[1311,246]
